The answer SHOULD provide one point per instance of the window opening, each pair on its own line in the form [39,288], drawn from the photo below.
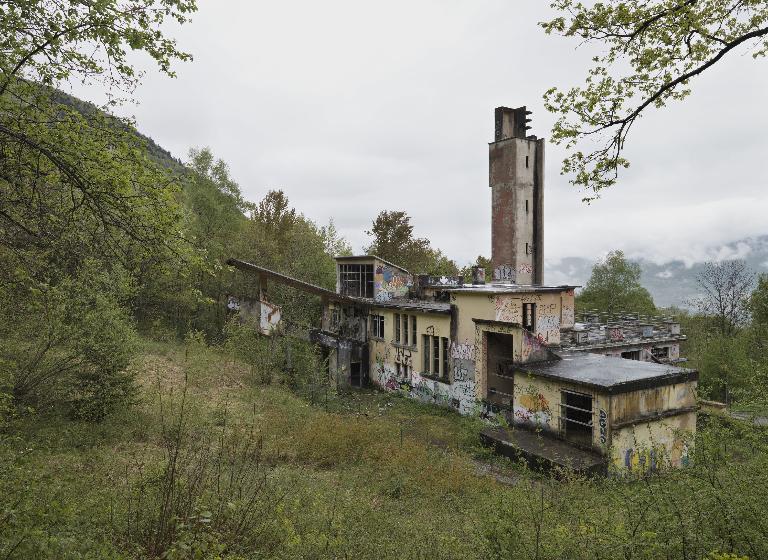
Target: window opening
[397,327]
[529,317]
[377,326]
[413,330]
[356,280]
[576,417]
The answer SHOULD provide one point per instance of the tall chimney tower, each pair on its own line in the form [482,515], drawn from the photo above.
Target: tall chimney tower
[516,173]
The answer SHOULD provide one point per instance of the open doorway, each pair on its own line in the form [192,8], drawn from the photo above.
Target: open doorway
[576,417]
[500,386]
[355,377]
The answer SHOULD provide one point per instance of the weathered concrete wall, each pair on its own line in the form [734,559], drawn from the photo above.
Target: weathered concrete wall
[645,403]
[457,391]
[508,308]
[516,203]
[567,309]
[642,447]
[652,426]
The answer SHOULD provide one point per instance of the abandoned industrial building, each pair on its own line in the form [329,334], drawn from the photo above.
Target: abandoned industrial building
[510,346]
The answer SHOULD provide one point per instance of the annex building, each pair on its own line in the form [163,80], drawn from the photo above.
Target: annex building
[585,394]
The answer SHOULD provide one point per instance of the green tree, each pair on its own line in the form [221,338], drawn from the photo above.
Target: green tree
[758,303]
[82,204]
[649,53]
[614,287]
[393,240]
[482,261]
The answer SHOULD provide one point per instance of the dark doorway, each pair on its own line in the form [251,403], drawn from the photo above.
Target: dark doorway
[355,377]
[499,371]
[576,417]
[631,355]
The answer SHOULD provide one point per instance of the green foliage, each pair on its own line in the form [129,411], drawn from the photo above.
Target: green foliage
[758,303]
[614,287]
[69,343]
[207,466]
[393,240]
[482,261]
[649,53]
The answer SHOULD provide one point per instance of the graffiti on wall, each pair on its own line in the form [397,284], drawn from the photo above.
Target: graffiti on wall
[603,423]
[463,370]
[403,356]
[533,408]
[388,283]
[270,317]
[504,273]
[508,309]
[463,350]
[525,268]
[534,346]
[614,333]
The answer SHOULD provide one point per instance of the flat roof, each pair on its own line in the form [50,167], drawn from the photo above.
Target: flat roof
[368,257]
[410,305]
[505,288]
[607,373]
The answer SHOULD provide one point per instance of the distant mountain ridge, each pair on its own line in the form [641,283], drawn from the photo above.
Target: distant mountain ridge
[670,283]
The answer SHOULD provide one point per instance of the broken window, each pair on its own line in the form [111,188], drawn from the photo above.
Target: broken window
[377,326]
[356,280]
[529,317]
[660,353]
[436,355]
[631,355]
[576,417]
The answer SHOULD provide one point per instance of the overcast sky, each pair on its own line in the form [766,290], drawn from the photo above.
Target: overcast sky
[354,107]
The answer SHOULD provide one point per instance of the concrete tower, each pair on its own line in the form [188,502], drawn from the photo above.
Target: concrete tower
[516,173]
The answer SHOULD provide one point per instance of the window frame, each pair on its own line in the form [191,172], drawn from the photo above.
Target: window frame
[529,317]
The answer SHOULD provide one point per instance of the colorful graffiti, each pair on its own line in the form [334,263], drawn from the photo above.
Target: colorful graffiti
[390,283]
[614,333]
[533,408]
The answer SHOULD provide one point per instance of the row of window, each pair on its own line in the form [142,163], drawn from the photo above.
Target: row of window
[405,328]
[405,325]
[435,349]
